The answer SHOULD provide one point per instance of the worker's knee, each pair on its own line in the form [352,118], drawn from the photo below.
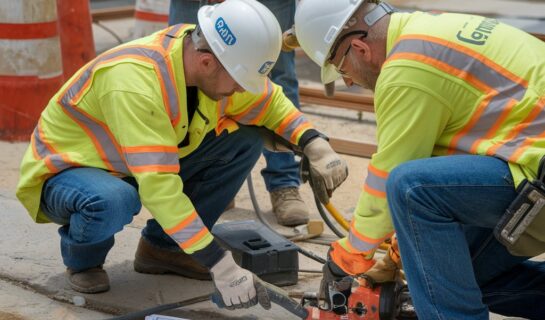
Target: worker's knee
[402,185]
[114,207]
[398,182]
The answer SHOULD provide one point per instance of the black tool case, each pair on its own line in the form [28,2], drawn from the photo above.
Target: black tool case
[258,249]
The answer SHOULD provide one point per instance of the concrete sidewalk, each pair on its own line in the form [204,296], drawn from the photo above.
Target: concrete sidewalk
[31,258]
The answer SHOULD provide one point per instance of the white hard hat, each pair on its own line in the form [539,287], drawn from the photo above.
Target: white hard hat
[245,37]
[318,24]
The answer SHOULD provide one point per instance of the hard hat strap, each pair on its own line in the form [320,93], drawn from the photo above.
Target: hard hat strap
[377,13]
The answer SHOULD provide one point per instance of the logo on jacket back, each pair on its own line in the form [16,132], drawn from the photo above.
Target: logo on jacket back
[266,67]
[225,33]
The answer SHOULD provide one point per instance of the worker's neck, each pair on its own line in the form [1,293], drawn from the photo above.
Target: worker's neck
[189,55]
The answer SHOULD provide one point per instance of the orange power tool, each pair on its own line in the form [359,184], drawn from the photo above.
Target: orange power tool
[385,301]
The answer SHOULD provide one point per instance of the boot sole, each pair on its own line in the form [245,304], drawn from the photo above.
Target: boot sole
[152,268]
[96,289]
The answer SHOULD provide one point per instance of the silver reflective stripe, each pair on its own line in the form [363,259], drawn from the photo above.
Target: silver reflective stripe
[151,158]
[535,128]
[255,111]
[375,182]
[487,120]
[360,245]
[171,35]
[44,152]
[222,106]
[41,148]
[105,141]
[188,231]
[299,120]
[507,89]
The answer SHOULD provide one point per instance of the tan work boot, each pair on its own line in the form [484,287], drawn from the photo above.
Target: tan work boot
[155,260]
[288,207]
[93,280]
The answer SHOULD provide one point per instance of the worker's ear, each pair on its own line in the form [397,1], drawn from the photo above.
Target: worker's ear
[362,49]
[207,63]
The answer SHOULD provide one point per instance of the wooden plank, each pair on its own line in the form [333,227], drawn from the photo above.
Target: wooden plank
[112,13]
[345,100]
[353,148]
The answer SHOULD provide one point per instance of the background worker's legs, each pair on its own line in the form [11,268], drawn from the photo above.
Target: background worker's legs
[212,176]
[281,174]
[444,210]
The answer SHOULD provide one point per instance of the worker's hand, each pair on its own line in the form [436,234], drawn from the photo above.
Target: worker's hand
[389,267]
[238,287]
[289,40]
[327,169]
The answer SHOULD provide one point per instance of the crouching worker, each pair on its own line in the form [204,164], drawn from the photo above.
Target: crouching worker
[168,121]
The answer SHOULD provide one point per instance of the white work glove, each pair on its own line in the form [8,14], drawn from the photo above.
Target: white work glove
[237,287]
[326,169]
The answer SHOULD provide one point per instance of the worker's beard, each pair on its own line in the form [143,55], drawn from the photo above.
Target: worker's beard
[366,76]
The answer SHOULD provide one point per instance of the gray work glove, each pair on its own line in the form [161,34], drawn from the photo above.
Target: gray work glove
[238,287]
[327,170]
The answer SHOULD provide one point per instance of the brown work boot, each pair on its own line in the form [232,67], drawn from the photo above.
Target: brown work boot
[155,260]
[93,280]
[288,207]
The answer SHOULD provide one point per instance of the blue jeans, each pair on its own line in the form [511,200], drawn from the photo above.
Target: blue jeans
[444,211]
[92,205]
[282,169]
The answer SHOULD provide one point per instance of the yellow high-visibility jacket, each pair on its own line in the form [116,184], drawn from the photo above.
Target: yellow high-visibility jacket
[451,84]
[126,112]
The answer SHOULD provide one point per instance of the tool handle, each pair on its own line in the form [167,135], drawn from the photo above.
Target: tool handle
[277,296]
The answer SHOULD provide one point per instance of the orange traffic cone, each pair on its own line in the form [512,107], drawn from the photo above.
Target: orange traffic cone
[30,64]
[76,33]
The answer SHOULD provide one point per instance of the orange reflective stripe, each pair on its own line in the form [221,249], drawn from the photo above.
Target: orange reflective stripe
[171,33]
[258,108]
[155,168]
[286,122]
[365,239]
[491,64]
[499,85]
[43,139]
[139,149]
[54,161]
[374,192]
[182,224]
[196,238]
[301,127]
[77,116]
[462,74]
[494,129]
[102,138]
[377,172]
[375,183]
[453,145]
[517,129]
[528,132]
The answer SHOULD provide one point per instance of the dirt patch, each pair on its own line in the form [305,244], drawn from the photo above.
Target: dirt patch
[10,316]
